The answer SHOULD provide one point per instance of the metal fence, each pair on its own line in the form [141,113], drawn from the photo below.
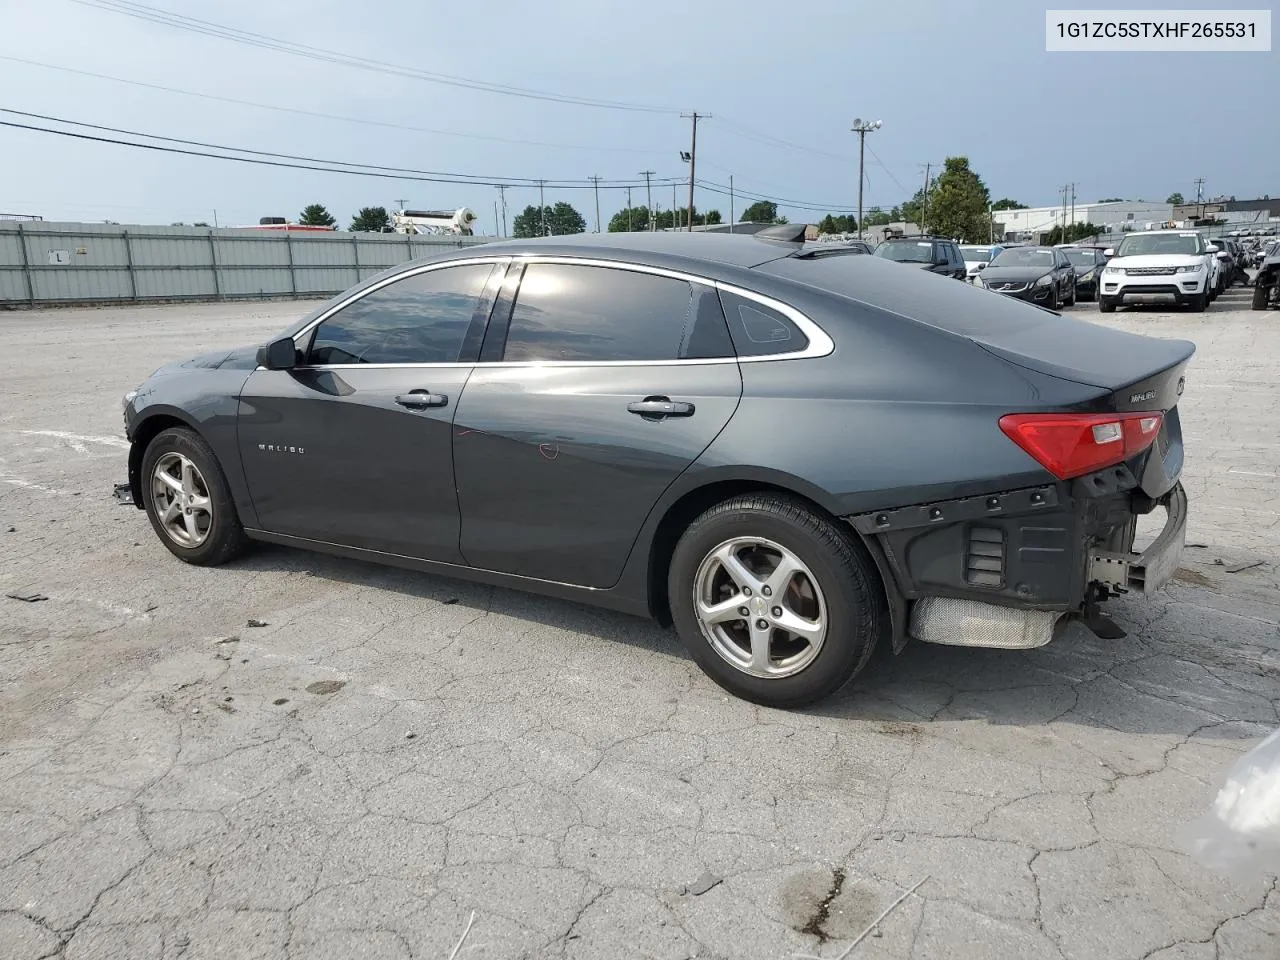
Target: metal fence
[64,263]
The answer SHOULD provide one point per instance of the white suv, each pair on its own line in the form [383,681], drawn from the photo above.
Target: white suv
[1158,266]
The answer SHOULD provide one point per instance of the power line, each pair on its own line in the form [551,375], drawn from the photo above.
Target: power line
[318,167]
[447,177]
[249,38]
[325,116]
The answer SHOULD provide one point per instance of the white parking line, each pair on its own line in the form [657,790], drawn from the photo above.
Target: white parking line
[77,441]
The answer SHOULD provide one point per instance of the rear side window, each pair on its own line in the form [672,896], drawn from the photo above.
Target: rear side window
[759,330]
[571,313]
[420,319]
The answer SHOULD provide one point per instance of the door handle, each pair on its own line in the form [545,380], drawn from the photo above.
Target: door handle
[661,407]
[418,399]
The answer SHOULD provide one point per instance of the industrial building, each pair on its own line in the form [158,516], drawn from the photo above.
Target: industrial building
[1034,223]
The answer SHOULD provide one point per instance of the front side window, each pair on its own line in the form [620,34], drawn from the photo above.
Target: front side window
[586,314]
[423,318]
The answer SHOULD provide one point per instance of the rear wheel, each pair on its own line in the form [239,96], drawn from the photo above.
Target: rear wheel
[774,601]
[1260,292]
[188,500]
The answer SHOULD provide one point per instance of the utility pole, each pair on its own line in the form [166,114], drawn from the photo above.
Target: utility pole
[648,195]
[675,211]
[1073,204]
[693,156]
[629,227]
[401,203]
[542,208]
[924,206]
[731,203]
[1200,196]
[861,128]
[595,182]
[502,197]
[495,216]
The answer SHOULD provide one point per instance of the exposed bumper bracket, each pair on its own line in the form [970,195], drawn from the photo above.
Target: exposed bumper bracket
[942,512]
[1150,570]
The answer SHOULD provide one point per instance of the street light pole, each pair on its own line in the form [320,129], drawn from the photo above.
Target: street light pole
[861,128]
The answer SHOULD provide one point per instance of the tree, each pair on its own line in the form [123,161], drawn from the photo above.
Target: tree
[762,211]
[1175,198]
[875,217]
[315,215]
[555,221]
[838,223]
[710,217]
[1074,232]
[370,220]
[958,202]
[630,219]
[1004,203]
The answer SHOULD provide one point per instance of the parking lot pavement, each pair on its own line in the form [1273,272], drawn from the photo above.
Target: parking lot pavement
[386,755]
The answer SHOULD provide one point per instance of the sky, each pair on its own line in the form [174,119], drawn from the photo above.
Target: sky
[780,85]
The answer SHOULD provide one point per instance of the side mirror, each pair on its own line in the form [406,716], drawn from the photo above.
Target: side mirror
[1109,252]
[1212,248]
[279,354]
[981,265]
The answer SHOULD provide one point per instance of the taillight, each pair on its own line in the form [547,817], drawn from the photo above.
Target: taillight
[1071,444]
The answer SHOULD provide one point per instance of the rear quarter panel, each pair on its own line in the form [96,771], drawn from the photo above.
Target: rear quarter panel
[897,414]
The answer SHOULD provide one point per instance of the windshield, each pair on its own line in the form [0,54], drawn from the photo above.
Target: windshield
[978,254]
[1160,244]
[1082,258]
[906,251]
[1023,257]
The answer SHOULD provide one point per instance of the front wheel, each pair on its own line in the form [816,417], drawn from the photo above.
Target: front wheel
[1071,302]
[1105,305]
[188,500]
[1198,302]
[774,601]
[1260,292]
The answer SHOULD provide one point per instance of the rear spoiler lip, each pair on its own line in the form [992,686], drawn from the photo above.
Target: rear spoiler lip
[1084,377]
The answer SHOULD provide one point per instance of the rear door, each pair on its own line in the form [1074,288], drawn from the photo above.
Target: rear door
[599,385]
[354,446]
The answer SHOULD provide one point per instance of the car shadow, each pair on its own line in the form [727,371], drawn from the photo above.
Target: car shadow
[1156,680]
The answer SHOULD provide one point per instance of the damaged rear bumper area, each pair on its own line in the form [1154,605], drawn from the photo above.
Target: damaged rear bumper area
[1006,570]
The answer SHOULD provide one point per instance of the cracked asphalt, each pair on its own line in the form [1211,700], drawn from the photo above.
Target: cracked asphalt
[386,755]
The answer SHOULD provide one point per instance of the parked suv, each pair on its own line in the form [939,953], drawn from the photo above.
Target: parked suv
[935,254]
[1158,266]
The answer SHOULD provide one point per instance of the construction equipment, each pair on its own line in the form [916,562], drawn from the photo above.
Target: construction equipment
[458,222]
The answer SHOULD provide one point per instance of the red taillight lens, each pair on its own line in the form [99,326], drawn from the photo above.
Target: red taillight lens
[1071,444]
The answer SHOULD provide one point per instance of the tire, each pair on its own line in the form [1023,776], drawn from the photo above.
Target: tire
[1055,301]
[1072,301]
[1260,292]
[218,535]
[1105,305]
[839,584]
[1197,303]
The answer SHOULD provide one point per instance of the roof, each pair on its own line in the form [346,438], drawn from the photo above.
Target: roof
[660,248]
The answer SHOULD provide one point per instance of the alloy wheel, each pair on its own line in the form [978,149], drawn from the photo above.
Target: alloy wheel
[181,500]
[760,607]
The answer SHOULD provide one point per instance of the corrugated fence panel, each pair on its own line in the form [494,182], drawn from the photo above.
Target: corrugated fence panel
[87,262]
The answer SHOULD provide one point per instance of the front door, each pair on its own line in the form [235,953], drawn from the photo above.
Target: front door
[612,382]
[354,446]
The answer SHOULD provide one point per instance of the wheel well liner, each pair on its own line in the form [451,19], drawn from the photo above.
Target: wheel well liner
[143,434]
